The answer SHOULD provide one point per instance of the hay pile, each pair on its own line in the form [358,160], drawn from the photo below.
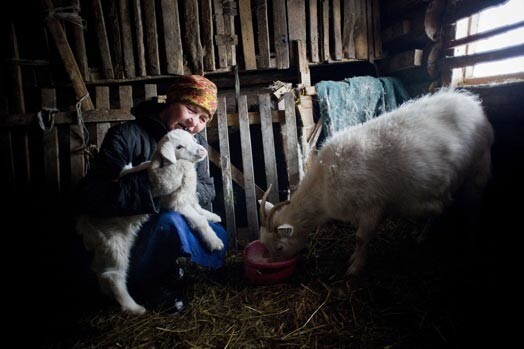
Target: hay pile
[401,303]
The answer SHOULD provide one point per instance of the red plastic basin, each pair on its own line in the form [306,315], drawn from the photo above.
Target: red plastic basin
[260,270]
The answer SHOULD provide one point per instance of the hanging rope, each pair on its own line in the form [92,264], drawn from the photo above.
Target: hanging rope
[89,150]
[69,14]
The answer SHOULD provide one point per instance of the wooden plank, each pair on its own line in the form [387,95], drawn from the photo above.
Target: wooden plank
[486,34]
[18,97]
[299,49]
[151,38]
[126,97]
[404,60]
[262,34]
[150,91]
[488,56]
[192,37]
[268,144]
[360,33]
[139,35]
[206,26]
[296,24]
[103,41]
[115,39]
[50,147]
[225,166]
[348,37]
[102,103]
[377,37]
[280,34]
[324,48]
[127,42]
[248,40]
[291,142]
[172,37]
[369,30]
[313,31]
[80,46]
[209,206]
[220,30]
[247,165]
[337,30]
[229,11]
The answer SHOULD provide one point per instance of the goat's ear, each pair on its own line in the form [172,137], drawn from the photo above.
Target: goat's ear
[286,230]
[267,207]
[167,150]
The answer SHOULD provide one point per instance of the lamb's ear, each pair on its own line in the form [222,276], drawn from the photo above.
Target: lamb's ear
[268,206]
[167,150]
[286,230]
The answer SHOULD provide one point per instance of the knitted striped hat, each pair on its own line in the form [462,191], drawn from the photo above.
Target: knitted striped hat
[196,90]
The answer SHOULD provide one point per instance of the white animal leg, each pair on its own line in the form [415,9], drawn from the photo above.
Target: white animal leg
[366,230]
[210,216]
[200,224]
[115,281]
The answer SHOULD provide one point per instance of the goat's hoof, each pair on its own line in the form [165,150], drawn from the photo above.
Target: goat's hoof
[134,309]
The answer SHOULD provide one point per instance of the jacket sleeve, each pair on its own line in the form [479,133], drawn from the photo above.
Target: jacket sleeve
[102,193]
[205,185]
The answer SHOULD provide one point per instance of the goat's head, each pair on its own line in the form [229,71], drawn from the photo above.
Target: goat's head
[277,231]
[180,144]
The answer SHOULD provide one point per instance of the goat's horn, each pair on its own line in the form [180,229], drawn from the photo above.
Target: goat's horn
[262,209]
[269,225]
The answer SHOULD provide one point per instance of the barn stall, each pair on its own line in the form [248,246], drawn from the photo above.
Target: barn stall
[75,68]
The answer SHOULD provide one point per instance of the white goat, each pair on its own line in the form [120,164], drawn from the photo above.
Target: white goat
[111,238]
[411,161]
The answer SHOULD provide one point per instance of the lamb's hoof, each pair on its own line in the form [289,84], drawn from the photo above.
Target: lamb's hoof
[134,309]
[215,219]
[215,244]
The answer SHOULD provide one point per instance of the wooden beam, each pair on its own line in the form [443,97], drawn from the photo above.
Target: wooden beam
[493,55]
[476,37]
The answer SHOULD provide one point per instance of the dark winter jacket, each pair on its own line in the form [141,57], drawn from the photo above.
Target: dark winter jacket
[101,194]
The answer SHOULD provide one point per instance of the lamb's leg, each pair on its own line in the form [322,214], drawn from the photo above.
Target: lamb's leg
[111,263]
[210,216]
[366,230]
[200,224]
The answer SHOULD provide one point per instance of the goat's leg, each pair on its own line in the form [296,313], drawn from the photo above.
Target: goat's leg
[112,261]
[366,230]
[210,216]
[200,224]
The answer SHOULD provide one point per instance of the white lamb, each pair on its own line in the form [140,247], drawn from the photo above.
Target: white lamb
[111,238]
[411,162]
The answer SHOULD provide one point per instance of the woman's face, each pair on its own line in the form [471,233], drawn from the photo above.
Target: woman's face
[189,117]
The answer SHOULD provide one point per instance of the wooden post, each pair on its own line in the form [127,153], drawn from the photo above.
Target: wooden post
[247,165]
[262,34]
[172,37]
[325,31]
[225,165]
[313,32]
[151,38]
[127,42]
[103,42]
[360,32]
[296,23]
[206,25]
[80,47]
[50,147]
[337,30]
[268,143]
[139,31]
[192,37]
[291,142]
[280,33]
[248,41]
[348,37]
[219,22]
[115,39]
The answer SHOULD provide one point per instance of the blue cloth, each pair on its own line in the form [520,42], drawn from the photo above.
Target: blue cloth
[356,100]
[163,239]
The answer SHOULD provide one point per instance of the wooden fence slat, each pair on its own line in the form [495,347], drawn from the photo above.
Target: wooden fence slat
[150,91]
[126,97]
[296,23]
[80,47]
[192,37]
[337,29]
[225,165]
[360,32]
[127,42]
[268,144]
[280,34]
[229,11]
[103,42]
[325,31]
[50,146]
[262,34]
[377,33]
[151,38]
[139,34]
[348,39]
[247,165]
[291,142]
[115,39]
[313,30]
[219,23]
[16,72]
[172,37]
[248,40]
[369,28]
[102,103]
[206,26]
[209,206]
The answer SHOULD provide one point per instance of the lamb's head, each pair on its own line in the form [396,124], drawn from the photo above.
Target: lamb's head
[180,144]
[278,232]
